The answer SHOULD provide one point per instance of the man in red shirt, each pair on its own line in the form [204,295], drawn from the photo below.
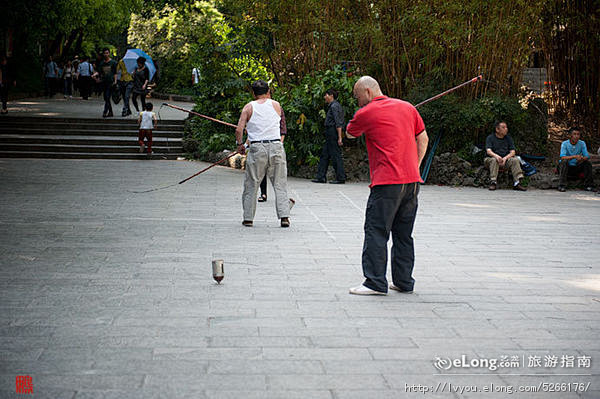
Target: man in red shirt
[396,143]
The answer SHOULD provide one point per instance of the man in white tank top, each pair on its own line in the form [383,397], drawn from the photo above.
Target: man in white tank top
[261,119]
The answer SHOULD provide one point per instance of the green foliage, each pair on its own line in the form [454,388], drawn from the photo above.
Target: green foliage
[177,38]
[303,104]
[304,107]
[195,35]
[465,123]
[42,27]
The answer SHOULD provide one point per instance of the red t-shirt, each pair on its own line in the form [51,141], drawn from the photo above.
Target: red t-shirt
[390,127]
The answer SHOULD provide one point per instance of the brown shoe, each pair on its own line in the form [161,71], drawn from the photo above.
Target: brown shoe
[519,187]
[247,223]
[492,186]
[285,222]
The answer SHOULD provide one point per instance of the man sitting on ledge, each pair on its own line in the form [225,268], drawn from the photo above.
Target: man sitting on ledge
[500,149]
[574,159]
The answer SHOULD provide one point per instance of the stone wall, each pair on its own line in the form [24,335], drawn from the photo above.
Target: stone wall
[447,169]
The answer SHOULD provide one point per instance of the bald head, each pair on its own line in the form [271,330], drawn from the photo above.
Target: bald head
[367,81]
[365,89]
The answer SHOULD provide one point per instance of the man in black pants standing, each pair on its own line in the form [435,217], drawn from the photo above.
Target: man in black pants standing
[333,141]
[396,143]
[107,70]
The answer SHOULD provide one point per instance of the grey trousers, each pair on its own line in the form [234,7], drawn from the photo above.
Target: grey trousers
[266,159]
[391,208]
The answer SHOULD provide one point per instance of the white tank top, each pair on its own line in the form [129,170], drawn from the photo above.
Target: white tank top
[264,122]
[147,120]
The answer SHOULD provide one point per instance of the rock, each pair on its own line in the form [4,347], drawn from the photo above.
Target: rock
[469,181]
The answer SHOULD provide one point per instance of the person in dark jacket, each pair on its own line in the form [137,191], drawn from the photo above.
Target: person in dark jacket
[6,78]
[141,78]
[334,121]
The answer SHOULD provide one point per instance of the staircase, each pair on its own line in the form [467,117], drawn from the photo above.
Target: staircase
[75,138]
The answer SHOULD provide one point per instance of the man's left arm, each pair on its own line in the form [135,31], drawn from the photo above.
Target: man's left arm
[113,68]
[512,151]
[338,116]
[511,154]
[422,142]
[282,126]
[585,156]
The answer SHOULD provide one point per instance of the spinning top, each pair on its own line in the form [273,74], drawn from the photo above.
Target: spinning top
[218,271]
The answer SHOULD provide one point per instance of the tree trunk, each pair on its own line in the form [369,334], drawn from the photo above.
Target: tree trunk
[79,40]
[69,42]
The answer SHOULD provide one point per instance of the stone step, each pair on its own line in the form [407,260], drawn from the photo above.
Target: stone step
[85,140]
[62,155]
[78,138]
[84,126]
[114,120]
[78,132]
[86,149]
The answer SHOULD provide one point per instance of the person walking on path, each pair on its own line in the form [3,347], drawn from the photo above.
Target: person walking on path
[107,71]
[261,118]
[334,121]
[5,80]
[68,72]
[96,82]
[84,77]
[147,121]
[396,144]
[126,86]
[50,75]
[263,183]
[141,76]
[575,159]
[75,64]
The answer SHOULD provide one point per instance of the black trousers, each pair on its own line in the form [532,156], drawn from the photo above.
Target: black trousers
[391,208]
[4,94]
[107,88]
[331,151]
[565,170]
[50,87]
[263,186]
[142,96]
[85,86]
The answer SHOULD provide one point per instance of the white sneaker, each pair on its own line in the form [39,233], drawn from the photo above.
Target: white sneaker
[362,290]
[292,203]
[393,287]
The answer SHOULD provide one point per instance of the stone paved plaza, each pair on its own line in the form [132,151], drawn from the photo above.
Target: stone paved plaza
[107,293]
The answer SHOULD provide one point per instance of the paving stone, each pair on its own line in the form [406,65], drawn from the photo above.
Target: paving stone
[105,293]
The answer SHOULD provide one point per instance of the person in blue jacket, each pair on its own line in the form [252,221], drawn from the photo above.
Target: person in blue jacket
[575,159]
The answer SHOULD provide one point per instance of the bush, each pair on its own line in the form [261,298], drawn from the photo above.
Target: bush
[303,104]
[305,113]
[468,123]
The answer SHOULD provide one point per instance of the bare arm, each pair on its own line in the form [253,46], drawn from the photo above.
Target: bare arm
[492,153]
[241,126]
[511,154]
[422,141]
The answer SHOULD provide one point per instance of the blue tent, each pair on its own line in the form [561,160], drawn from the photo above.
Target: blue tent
[130,60]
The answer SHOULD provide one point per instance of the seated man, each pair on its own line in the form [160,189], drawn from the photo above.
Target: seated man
[574,159]
[500,149]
